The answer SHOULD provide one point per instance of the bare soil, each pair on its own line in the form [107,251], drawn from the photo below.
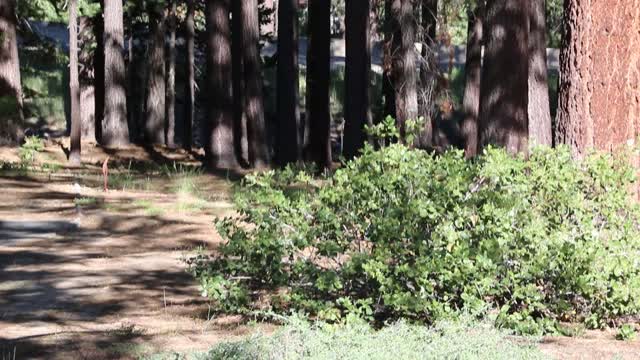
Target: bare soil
[88,274]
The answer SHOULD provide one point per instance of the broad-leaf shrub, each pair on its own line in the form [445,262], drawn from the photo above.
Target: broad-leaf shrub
[401,233]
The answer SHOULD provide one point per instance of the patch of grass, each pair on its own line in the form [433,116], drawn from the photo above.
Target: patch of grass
[85,201]
[626,332]
[150,209]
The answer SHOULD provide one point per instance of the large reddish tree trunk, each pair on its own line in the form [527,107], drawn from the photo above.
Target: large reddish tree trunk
[219,144]
[599,101]
[538,107]
[473,72]
[357,75]
[504,89]
[187,136]
[239,119]
[115,132]
[154,125]
[74,86]
[11,116]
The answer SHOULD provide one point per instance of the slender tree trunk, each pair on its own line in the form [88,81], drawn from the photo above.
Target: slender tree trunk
[191,78]
[288,139]
[504,89]
[387,71]
[473,71]
[115,132]
[237,60]
[74,86]
[404,62]
[357,77]
[156,90]
[258,145]
[428,69]
[318,75]
[86,75]
[170,129]
[219,144]
[539,107]
[99,78]
[11,114]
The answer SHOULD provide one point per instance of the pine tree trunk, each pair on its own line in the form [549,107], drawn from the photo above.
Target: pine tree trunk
[403,54]
[99,78]
[428,69]
[473,71]
[504,89]
[115,132]
[258,146]
[288,139]
[539,107]
[86,77]
[74,86]
[357,76]
[318,77]
[11,113]
[219,144]
[187,140]
[237,60]
[156,90]
[387,71]
[170,131]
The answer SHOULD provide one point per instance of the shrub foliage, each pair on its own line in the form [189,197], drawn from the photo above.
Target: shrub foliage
[402,233]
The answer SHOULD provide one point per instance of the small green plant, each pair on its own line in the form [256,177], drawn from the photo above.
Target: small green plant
[85,201]
[150,208]
[626,332]
[27,152]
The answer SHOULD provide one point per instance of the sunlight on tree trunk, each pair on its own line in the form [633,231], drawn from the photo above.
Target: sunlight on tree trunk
[156,90]
[538,107]
[11,112]
[74,86]
[473,71]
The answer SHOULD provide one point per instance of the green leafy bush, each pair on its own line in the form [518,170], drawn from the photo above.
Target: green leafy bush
[402,233]
[27,152]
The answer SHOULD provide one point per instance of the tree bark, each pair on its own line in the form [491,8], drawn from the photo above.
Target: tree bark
[599,105]
[99,78]
[318,75]
[156,90]
[538,108]
[219,144]
[288,139]
[504,89]
[403,55]
[74,86]
[115,132]
[473,71]
[170,103]
[357,76]
[258,146]
[237,60]
[428,69]
[387,71]
[187,140]
[87,79]
[11,113]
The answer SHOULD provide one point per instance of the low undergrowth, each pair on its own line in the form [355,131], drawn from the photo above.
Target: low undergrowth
[400,233]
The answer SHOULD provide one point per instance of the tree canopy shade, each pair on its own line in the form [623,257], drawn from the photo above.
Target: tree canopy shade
[11,115]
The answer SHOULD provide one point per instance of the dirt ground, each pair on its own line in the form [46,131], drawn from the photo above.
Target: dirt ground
[88,274]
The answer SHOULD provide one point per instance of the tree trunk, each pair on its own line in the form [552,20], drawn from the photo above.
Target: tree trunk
[357,76]
[403,54]
[87,79]
[99,78]
[473,70]
[74,86]
[387,71]
[599,106]
[258,146]
[155,112]
[288,139]
[318,75]
[237,60]
[504,89]
[115,132]
[170,130]
[538,107]
[428,70]
[219,144]
[187,136]
[11,112]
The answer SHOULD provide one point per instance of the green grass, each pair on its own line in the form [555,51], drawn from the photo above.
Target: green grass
[85,201]
[149,207]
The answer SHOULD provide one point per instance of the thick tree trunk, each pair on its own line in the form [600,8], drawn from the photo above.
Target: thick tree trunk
[155,112]
[387,76]
[504,89]
[539,107]
[170,128]
[403,54]
[187,136]
[115,132]
[428,70]
[473,71]
[357,76]
[288,139]
[74,86]
[599,106]
[237,60]
[318,77]
[98,79]
[258,145]
[11,114]
[219,144]
[87,76]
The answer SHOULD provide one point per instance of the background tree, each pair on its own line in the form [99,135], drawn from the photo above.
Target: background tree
[428,69]
[473,72]
[156,91]
[357,76]
[12,117]
[99,72]
[538,102]
[190,34]
[504,88]
[114,125]
[318,78]
[170,103]
[74,86]
[238,87]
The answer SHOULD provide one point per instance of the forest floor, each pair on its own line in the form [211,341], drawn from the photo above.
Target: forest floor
[88,274]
